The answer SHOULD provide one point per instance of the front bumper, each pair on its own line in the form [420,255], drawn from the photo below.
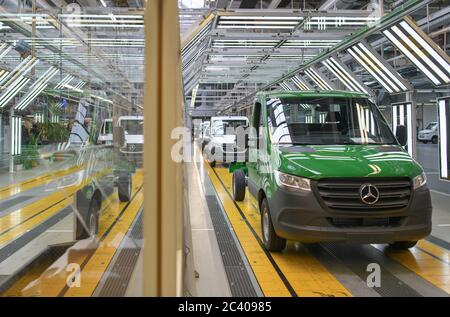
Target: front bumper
[299,216]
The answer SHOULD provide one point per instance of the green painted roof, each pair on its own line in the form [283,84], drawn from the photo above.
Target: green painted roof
[313,93]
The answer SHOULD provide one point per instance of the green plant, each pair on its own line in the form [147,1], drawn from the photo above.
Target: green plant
[53,132]
[29,156]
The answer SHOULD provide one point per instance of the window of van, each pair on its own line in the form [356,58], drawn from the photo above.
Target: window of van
[133,127]
[223,127]
[327,121]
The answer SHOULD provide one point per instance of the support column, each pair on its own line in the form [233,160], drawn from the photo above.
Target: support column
[162,225]
[410,98]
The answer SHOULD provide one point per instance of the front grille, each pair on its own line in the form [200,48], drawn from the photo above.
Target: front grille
[344,194]
[135,147]
[365,222]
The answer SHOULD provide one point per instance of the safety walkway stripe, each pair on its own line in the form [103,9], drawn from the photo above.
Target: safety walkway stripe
[17,222]
[28,184]
[53,282]
[96,266]
[307,276]
[423,261]
[270,278]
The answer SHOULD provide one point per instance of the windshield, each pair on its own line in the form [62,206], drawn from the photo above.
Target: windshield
[133,127]
[225,127]
[326,120]
[107,127]
[431,126]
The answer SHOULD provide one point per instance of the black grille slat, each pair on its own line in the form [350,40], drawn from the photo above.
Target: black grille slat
[343,194]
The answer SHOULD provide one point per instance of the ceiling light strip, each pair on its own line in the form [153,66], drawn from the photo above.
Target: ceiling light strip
[345,75]
[37,88]
[317,79]
[13,90]
[421,50]
[341,75]
[372,69]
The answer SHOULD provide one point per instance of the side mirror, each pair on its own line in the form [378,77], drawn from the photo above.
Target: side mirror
[402,135]
[119,136]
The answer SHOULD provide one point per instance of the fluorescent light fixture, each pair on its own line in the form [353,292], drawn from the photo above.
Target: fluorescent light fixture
[101,98]
[318,79]
[4,50]
[12,90]
[16,135]
[285,86]
[380,70]
[402,115]
[20,69]
[444,120]
[421,50]
[301,83]
[103,3]
[194,96]
[65,81]
[3,74]
[345,75]
[37,88]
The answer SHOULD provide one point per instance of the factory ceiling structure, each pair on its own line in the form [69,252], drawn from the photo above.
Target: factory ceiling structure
[242,47]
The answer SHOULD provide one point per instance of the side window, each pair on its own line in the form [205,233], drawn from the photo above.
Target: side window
[258,121]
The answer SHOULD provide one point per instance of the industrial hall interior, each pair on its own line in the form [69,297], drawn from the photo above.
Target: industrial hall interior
[224,149]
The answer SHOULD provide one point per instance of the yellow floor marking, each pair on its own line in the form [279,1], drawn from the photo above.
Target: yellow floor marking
[434,270]
[99,262]
[28,184]
[18,222]
[53,281]
[270,282]
[304,272]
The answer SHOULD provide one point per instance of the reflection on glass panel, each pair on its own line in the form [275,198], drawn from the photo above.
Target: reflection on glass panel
[71,143]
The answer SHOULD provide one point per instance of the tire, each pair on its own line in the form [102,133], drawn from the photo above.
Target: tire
[403,245]
[238,185]
[271,241]
[435,139]
[212,164]
[424,142]
[91,220]
[124,187]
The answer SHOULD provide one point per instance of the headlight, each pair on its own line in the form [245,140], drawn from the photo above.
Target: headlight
[291,182]
[419,181]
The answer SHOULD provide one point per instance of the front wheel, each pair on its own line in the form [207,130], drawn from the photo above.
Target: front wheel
[272,242]
[90,226]
[435,140]
[238,185]
[403,245]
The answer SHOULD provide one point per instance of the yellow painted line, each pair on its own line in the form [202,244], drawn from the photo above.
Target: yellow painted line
[43,212]
[28,184]
[426,260]
[20,221]
[100,260]
[52,282]
[304,272]
[267,276]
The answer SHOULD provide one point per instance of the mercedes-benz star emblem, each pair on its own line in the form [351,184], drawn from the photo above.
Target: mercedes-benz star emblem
[369,194]
[133,147]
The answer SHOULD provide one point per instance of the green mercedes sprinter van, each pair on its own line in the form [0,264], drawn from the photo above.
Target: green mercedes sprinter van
[324,166]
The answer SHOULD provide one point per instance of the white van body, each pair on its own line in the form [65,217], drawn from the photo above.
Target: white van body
[133,127]
[221,142]
[106,135]
[430,134]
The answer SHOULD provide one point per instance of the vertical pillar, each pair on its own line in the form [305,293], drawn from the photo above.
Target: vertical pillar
[162,222]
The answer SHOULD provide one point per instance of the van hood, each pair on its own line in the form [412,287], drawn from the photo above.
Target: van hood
[426,131]
[325,161]
[134,138]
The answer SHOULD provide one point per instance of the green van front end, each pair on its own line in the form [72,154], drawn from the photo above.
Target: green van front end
[324,166]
